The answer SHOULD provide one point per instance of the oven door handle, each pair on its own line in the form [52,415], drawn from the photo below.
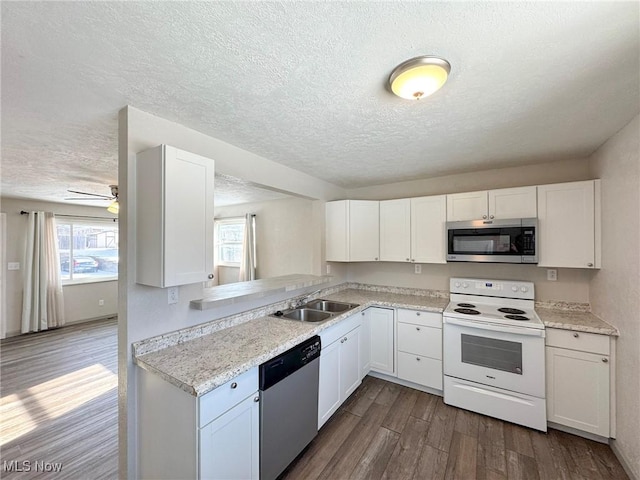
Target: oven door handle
[532,332]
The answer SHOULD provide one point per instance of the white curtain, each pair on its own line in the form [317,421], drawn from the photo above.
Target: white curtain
[42,301]
[248,262]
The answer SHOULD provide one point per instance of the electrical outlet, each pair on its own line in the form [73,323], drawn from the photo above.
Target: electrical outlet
[552,274]
[417,268]
[173,295]
[101,303]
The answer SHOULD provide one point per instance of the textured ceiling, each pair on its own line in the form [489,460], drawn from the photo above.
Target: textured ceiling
[303,84]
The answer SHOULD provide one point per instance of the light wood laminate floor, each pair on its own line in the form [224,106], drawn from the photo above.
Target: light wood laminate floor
[59,403]
[387,431]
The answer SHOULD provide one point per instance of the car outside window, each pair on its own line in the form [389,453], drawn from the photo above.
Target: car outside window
[88,251]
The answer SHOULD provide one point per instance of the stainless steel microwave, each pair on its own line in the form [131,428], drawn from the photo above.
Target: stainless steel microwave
[499,241]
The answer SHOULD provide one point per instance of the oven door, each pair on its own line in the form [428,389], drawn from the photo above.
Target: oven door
[501,356]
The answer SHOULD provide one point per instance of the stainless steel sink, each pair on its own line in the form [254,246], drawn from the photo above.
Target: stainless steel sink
[330,306]
[307,315]
[316,311]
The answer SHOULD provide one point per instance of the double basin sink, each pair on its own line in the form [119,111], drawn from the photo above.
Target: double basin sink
[316,311]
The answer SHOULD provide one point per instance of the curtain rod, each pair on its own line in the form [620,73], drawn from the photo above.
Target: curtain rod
[24,212]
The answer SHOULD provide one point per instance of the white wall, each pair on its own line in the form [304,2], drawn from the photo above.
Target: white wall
[285,235]
[143,311]
[81,300]
[572,284]
[615,291]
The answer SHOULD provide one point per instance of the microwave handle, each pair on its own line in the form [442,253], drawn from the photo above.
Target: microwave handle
[495,328]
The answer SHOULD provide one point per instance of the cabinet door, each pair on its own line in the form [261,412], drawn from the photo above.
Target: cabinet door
[364,230]
[329,383]
[567,234]
[466,206]
[229,445]
[513,203]
[349,363]
[395,230]
[365,345]
[337,231]
[382,339]
[428,229]
[174,202]
[578,390]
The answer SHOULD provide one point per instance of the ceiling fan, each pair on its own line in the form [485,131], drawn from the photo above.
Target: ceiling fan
[113,207]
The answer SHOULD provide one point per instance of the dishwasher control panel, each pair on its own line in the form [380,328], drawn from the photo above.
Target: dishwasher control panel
[285,364]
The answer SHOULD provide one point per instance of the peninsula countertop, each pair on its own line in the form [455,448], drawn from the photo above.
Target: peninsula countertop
[199,365]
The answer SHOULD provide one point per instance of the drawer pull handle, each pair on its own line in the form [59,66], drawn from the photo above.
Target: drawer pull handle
[234,385]
[605,360]
[256,398]
[418,328]
[407,259]
[418,359]
[418,313]
[575,335]
[589,264]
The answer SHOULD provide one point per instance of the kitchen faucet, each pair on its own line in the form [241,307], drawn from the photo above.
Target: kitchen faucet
[305,298]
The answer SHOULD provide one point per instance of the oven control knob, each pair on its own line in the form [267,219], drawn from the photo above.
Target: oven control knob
[465,284]
[524,289]
[457,284]
[514,288]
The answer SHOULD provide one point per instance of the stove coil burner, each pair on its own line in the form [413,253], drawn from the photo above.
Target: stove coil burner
[467,311]
[516,317]
[511,311]
[468,305]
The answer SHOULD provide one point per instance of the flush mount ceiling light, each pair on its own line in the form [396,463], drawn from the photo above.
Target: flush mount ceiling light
[419,77]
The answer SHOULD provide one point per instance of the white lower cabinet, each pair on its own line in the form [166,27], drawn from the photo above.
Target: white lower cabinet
[382,337]
[340,370]
[214,436]
[578,380]
[420,347]
[229,444]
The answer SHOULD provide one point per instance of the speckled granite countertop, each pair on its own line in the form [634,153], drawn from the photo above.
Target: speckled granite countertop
[199,365]
[199,359]
[575,320]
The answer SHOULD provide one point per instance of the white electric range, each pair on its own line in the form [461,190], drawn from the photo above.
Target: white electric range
[493,351]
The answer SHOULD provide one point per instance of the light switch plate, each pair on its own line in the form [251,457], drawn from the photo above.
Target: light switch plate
[13,266]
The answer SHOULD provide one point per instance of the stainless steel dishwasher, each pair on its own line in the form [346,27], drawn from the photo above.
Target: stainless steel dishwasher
[288,406]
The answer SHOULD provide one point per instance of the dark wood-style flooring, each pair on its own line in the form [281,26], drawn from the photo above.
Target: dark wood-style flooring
[58,403]
[387,431]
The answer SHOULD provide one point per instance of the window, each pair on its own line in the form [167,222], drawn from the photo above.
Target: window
[88,250]
[229,234]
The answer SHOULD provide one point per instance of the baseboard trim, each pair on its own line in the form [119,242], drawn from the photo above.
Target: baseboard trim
[67,324]
[623,461]
[406,383]
[578,433]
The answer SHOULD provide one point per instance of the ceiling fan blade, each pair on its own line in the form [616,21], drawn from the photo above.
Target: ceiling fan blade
[106,197]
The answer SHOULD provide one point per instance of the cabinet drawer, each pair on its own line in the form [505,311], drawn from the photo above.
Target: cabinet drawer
[339,330]
[226,396]
[420,340]
[585,342]
[421,370]
[419,317]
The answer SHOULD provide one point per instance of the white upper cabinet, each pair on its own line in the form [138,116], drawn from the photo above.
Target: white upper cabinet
[413,230]
[174,217]
[395,230]
[429,229]
[352,231]
[569,225]
[519,202]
